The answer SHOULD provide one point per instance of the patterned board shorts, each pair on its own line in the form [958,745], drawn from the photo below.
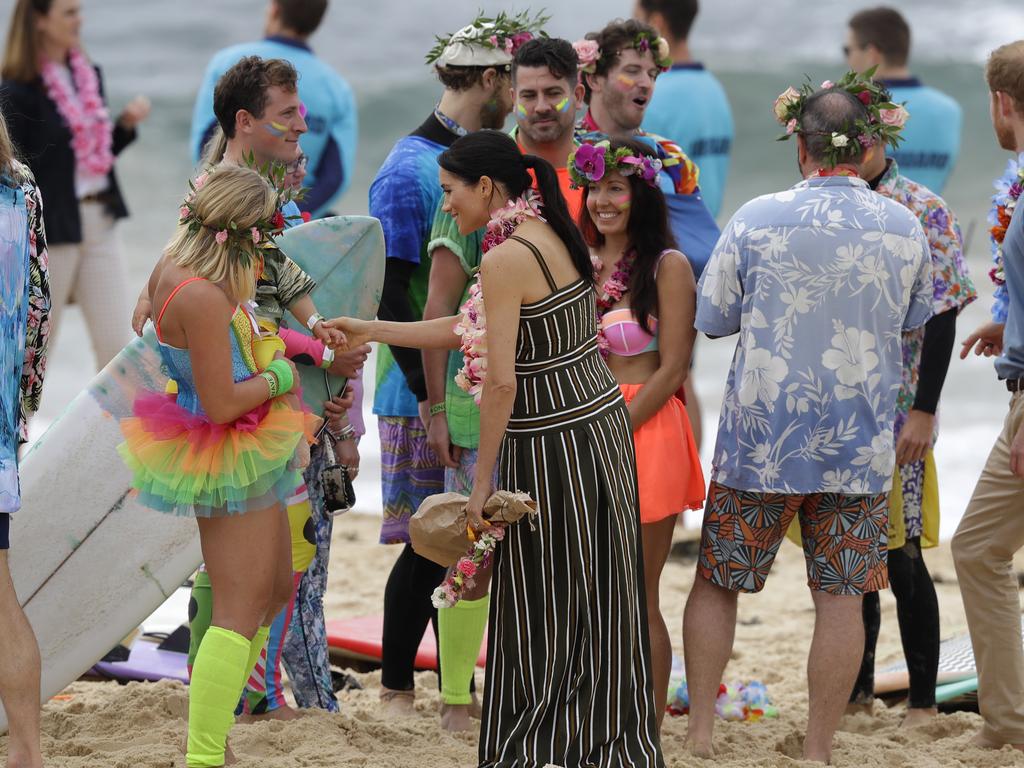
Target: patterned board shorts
[844,538]
[409,472]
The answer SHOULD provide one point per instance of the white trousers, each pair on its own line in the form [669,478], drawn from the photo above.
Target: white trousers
[93,273]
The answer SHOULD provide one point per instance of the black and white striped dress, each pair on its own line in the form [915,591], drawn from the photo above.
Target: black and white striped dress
[568,676]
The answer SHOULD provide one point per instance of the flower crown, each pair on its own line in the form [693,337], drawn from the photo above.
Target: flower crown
[589,53]
[590,163]
[504,32]
[244,243]
[884,124]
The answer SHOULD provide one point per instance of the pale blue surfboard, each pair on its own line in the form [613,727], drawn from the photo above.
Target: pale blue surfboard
[345,256]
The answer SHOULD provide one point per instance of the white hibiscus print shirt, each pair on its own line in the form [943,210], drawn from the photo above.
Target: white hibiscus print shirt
[819,282]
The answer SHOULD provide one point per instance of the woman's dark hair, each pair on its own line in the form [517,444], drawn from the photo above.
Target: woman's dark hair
[496,155]
[648,234]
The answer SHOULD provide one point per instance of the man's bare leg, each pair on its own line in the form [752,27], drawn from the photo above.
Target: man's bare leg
[832,667]
[709,626]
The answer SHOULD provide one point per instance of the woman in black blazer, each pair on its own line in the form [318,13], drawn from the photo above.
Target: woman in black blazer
[52,98]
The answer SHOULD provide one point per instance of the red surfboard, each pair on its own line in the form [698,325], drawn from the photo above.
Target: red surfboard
[360,638]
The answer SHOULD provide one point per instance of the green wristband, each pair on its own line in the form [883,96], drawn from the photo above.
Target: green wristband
[283,372]
[271,380]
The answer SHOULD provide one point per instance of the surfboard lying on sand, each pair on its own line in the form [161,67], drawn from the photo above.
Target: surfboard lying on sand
[89,562]
[146,662]
[956,665]
[360,639]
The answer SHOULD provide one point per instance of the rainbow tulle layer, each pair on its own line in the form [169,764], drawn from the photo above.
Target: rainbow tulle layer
[185,464]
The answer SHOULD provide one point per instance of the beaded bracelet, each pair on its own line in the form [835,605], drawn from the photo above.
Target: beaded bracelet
[272,381]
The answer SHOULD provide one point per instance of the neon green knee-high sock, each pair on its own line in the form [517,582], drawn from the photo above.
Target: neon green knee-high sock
[212,695]
[200,613]
[461,630]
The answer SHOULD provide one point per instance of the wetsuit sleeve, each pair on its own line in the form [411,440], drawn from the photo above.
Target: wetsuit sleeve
[395,306]
[936,351]
[330,175]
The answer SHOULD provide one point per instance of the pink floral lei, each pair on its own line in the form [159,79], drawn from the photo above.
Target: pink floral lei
[612,291]
[472,321]
[87,117]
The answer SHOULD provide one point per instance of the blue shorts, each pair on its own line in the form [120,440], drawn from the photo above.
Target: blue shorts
[5,531]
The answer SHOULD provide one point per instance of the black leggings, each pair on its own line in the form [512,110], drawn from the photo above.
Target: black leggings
[917,609]
[407,609]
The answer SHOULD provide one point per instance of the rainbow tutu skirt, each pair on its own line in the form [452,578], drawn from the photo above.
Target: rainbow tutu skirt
[182,463]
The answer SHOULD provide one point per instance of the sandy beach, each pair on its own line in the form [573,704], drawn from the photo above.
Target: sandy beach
[141,725]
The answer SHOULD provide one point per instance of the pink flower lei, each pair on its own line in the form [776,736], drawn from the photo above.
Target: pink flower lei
[86,116]
[472,322]
[612,291]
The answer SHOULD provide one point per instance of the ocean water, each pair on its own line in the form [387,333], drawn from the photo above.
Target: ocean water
[758,48]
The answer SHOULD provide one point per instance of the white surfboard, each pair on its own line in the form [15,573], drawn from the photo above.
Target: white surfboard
[89,562]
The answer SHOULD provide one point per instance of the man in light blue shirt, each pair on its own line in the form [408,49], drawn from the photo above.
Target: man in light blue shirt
[330,143]
[880,37]
[689,105]
[819,281]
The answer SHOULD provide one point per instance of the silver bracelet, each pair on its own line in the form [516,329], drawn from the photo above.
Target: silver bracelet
[348,432]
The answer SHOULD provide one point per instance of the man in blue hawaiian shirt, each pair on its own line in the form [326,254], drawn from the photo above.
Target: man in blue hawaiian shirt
[819,281]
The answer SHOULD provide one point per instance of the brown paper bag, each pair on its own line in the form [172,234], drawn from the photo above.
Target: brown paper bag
[438,529]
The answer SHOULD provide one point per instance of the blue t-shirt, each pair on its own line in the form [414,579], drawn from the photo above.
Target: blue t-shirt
[405,196]
[931,137]
[330,142]
[1011,364]
[690,107]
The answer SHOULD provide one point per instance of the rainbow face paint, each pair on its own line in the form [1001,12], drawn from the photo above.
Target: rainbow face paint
[625,82]
[276,129]
[520,110]
[563,105]
[622,203]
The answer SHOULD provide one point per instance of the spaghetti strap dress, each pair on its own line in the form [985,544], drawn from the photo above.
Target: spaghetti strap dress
[184,463]
[569,671]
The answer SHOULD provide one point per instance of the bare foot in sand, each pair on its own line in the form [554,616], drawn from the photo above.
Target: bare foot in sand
[983,742]
[281,713]
[705,751]
[860,708]
[919,716]
[398,703]
[455,718]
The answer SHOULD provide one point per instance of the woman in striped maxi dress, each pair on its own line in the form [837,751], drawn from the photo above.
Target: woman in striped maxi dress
[568,677]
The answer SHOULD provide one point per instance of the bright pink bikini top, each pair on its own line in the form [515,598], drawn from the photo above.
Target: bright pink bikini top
[626,337]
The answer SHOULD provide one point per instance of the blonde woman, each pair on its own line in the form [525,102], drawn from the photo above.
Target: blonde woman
[59,121]
[24,307]
[221,449]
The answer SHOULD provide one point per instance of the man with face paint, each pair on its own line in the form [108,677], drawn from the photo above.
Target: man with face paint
[474,66]
[331,138]
[548,96]
[620,65]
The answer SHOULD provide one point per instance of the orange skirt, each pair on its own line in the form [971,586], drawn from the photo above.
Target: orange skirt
[667,461]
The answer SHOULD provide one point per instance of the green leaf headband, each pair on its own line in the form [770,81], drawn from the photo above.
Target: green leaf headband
[488,41]
[244,243]
[589,53]
[884,124]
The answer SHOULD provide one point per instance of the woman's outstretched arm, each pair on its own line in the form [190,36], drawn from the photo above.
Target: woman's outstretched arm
[425,334]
